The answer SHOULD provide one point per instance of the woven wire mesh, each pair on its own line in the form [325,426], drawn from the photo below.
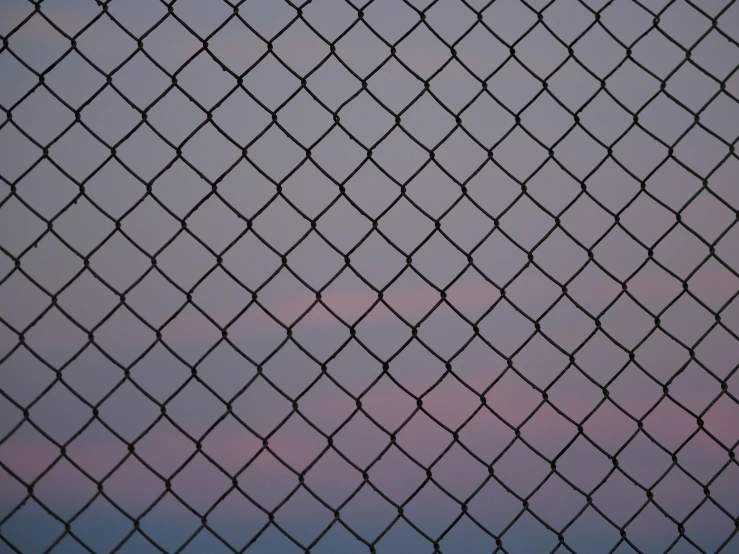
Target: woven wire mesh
[542,170]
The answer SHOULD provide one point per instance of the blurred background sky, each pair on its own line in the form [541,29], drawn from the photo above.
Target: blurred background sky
[121,337]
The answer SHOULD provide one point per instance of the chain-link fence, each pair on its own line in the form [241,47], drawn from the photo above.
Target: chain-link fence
[406,276]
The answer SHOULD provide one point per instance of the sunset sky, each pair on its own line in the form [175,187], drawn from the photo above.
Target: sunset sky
[282,254]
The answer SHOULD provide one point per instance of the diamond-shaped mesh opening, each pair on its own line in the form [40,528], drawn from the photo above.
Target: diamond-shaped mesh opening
[420,276]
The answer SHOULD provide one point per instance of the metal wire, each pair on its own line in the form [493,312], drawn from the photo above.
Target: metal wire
[362,86]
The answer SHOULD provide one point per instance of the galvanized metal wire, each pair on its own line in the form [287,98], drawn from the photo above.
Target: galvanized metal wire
[10,188]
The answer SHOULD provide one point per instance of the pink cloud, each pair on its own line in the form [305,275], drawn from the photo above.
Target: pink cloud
[57,334]
[267,478]
[267,481]
[133,484]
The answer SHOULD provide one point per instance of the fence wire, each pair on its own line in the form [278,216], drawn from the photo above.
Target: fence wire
[715,24]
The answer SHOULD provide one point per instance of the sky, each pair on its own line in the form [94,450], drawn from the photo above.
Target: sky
[321,245]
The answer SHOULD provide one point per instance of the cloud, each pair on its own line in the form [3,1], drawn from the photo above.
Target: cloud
[268,480]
